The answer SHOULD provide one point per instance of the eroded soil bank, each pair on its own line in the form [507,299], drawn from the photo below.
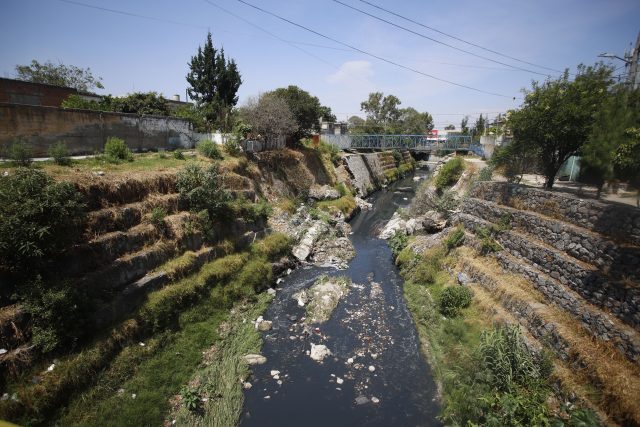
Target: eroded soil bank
[375,375]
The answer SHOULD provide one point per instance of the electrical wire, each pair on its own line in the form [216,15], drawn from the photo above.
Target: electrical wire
[152,18]
[364,52]
[437,41]
[120,12]
[458,38]
[277,37]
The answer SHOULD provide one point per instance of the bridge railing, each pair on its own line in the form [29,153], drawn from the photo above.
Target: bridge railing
[400,142]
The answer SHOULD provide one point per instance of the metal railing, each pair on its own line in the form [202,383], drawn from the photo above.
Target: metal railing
[401,142]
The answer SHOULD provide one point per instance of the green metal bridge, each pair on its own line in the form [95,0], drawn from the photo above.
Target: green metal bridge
[416,143]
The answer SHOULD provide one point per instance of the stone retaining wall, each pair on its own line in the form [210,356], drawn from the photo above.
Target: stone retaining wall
[618,261]
[620,222]
[370,171]
[595,322]
[621,300]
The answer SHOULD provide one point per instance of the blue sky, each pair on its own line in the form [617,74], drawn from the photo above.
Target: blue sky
[136,54]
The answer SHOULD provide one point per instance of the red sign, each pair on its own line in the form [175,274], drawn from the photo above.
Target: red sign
[433,132]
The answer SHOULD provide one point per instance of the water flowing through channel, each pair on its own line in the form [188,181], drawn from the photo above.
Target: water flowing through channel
[376,375]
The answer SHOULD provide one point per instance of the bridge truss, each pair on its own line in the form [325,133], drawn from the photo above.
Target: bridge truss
[420,143]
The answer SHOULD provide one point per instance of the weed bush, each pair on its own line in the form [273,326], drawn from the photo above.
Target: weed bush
[397,157]
[455,238]
[209,149]
[202,189]
[232,146]
[39,219]
[447,202]
[158,215]
[116,150]
[20,154]
[57,312]
[398,242]
[60,154]
[190,398]
[330,150]
[485,174]
[487,242]
[453,299]
[449,174]
[178,154]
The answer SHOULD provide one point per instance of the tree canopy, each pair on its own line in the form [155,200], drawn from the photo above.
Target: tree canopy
[619,113]
[384,116]
[214,82]
[59,75]
[268,116]
[306,109]
[134,103]
[557,116]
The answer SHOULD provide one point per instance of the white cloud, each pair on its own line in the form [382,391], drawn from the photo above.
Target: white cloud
[351,71]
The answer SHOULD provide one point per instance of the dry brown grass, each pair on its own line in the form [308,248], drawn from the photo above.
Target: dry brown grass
[606,369]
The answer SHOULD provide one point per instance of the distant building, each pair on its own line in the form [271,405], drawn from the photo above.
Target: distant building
[174,102]
[28,93]
[331,128]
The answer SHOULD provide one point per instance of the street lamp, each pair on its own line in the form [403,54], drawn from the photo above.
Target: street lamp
[611,55]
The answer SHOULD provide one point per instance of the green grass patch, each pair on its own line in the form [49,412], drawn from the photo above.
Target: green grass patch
[273,247]
[449,174]
[153,372]
[345,204]
[218,379]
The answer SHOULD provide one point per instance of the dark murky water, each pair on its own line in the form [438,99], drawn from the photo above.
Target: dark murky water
[371,325]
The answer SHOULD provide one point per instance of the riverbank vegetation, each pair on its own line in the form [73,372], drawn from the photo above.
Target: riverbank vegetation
[488,373]
[127,373]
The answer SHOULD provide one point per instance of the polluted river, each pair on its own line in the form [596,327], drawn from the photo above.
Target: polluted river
[375,374]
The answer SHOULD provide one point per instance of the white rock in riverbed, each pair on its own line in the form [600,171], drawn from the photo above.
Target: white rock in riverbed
[319,352]
[395,224]
[255,359]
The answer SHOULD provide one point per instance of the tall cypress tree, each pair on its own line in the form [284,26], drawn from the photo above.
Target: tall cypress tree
[214,84]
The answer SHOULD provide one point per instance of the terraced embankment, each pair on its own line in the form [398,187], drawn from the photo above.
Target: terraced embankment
[564,270]
[159,284]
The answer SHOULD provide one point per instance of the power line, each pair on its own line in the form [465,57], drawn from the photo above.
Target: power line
[136,15]
[276,37]
[371,54]
[458,38]
[152,18]
[437,41]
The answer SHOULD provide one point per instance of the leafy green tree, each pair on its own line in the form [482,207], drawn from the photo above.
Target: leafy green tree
[450,127]
[412,122]
[356,125]
[627,160]
[59,75]
[479,126]
[382,111]
[306,109]
[557,115]
[464,125]
[214,82]
[620,112]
